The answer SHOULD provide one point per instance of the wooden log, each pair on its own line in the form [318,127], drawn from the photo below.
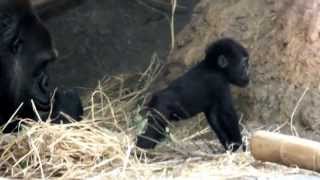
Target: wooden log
[286,150]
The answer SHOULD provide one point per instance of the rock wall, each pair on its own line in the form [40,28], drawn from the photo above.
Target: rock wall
[98,38]
[283,40]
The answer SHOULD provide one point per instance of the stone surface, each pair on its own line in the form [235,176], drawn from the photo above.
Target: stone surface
[99,38]
[283,40]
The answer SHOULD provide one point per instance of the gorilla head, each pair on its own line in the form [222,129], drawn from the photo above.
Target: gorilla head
[224,55]
[26,48]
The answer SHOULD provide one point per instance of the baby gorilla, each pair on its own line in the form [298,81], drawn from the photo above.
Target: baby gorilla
[204,88]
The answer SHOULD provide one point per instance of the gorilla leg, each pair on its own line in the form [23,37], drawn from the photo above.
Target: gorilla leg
[154,132]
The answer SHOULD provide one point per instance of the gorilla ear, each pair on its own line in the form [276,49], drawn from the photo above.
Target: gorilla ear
[223,61]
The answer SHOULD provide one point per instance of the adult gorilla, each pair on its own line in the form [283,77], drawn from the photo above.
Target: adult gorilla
[26,49]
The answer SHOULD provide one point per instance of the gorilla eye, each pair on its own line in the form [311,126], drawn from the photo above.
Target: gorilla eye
[16,44]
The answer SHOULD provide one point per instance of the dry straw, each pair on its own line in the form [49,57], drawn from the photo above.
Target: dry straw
[102,145]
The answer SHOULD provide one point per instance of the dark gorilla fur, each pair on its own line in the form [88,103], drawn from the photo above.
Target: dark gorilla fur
[204,88]
[66,102]
[26,49]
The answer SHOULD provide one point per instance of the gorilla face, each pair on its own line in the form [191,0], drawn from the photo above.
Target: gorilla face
[25,52]
[233,60]
[237,71]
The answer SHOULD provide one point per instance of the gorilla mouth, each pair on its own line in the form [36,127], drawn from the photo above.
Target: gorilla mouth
[42,93]
[242,82]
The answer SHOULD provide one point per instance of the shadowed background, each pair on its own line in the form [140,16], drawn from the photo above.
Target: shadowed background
[99,38]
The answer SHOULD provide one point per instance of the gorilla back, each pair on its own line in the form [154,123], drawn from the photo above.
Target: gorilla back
[26,49]
[204,88]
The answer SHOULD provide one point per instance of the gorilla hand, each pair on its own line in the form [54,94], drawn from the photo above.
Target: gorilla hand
[66,102]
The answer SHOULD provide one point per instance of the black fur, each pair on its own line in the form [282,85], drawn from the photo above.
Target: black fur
[26,49]
[204,88]
[66,102]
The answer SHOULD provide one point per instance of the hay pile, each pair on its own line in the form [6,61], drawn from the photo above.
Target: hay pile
[102,145]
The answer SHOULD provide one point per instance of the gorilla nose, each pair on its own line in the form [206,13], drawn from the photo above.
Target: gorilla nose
[50,55]
[41,93]
[43,83]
